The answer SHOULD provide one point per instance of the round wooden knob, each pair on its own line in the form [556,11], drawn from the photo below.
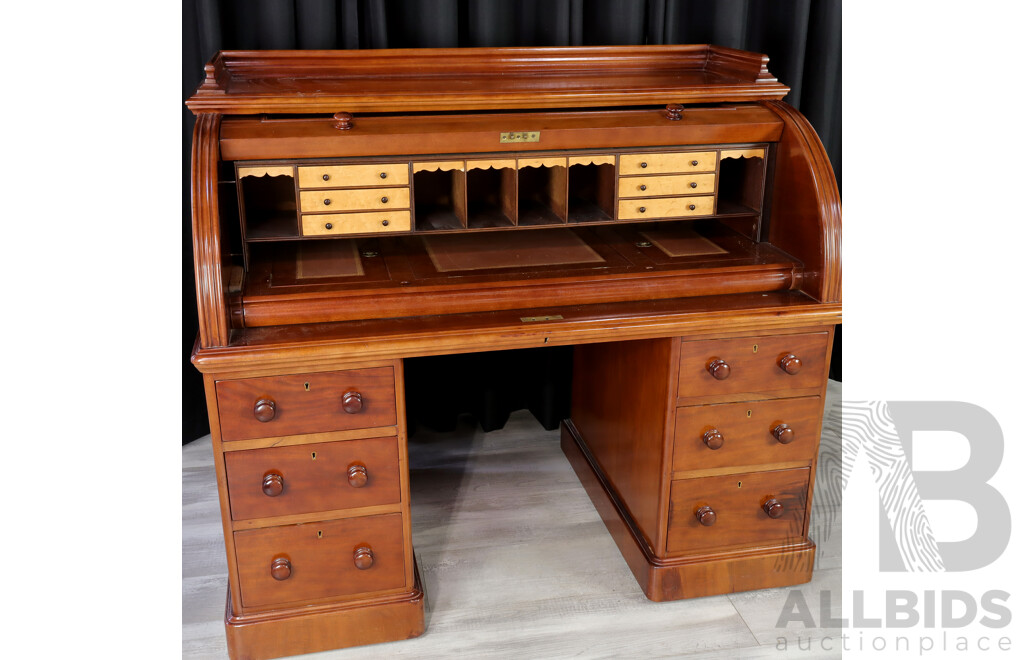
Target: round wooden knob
[694,163]
[383,200]
[674,111]
[363,557]
[327,177]
[693,207]
[642,209]
[784,434]
[718,368]
[772,507]
[714,439]
[273,484]
[327,202]
[385,222]
[383,175]
[328,226]
[790,364]
[357,475]
[264,410]
[643,186]
[281,569]
[706,516]
[342,121]
[352,402]
[643,164]
[693,184]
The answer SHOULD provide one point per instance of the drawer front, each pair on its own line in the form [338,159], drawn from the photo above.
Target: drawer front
[324,476]
[318,560]
[697,161]
[747,433]
[354,176]
[754,365]
[306,403]
[738,504]
[655,186]
[666,207]
[353,200]
[355,223]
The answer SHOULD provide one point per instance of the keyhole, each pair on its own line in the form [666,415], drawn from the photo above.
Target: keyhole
[755,348]
[319,533]
[749,412]
[306,385]
[739,484]
[313,454]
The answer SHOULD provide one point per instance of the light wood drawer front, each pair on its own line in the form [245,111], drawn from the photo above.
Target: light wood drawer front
[747,433]
[355,223]
[753,365]
[665,207]
[737,502]
[353,200]
[324,476]
[655,186]
[306,403]
[317,560]
[698,161]
[354,176]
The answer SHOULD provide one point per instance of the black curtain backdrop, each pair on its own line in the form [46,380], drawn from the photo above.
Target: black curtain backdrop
[802,38]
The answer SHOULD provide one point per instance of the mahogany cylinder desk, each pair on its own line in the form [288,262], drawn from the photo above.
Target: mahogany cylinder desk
[660,208]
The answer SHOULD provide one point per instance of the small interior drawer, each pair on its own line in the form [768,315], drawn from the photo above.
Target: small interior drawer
[294,563]
[753,365]
[326,224]
[358,199]
[657,163]
[324,476]
[676,184]
[665,207]
[736,506]
[306,403]
[353,176]
[746,433]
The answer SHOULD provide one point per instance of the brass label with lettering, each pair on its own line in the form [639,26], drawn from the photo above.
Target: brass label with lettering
[520,136]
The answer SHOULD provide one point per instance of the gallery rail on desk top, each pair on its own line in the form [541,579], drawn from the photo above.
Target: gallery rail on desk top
[423,80]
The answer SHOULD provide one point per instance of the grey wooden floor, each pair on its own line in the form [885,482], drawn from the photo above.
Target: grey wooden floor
[516,562]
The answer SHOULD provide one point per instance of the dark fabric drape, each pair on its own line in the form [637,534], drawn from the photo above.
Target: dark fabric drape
[802,38]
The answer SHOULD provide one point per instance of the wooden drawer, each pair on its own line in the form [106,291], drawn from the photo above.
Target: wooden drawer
[358,199]
[737,502]
[753,365]
[697,161]
[666,207]
[655,186]
[744,433]
[325,476]
[306,403]
[355,223]
[354,176]
[318,560]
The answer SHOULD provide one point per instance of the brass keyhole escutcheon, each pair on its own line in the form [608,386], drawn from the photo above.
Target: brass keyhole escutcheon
[749,412]
[319,533]
[306,386]
[755,348]
[739,484]
[313,455]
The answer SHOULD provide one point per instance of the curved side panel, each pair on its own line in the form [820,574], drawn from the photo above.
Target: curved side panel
[206,242]
[806,216]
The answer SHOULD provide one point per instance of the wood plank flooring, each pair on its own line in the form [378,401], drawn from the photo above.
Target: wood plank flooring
[516,562]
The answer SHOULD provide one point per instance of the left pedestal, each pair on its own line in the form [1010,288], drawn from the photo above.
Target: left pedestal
[313,481]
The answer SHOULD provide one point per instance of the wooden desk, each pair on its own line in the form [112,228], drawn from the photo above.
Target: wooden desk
[658,208]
